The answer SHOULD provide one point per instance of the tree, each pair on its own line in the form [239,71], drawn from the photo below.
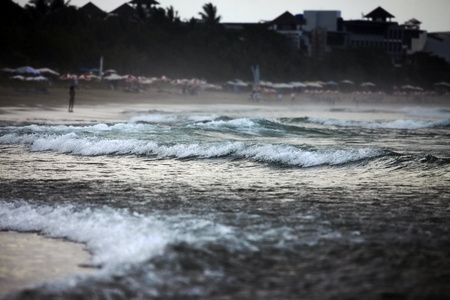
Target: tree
[209,14]
[172,15]
[41,6]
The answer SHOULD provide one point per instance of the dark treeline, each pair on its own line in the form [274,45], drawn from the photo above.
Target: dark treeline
[51,33]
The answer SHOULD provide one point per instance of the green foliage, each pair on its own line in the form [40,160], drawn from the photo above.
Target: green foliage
[209,14]
[51,33]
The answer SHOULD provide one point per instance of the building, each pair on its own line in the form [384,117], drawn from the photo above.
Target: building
[378,31]
[321,31]
[324,19]
[92,11]
[320,28]
[125,10]
[290,26]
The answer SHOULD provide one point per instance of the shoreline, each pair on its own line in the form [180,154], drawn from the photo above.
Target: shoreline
[28,259]
[59,97]
[98,105]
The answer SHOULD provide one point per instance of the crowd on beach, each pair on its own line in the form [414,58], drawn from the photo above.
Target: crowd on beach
[318,92]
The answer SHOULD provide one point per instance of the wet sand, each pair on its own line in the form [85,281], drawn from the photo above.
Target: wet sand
[27,259]
[96,105]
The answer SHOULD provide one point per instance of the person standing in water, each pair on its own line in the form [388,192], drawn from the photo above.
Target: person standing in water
[71,98]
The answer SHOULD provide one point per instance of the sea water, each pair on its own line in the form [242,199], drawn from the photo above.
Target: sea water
[239,202]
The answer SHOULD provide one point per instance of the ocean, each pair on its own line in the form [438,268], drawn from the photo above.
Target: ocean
[238,201]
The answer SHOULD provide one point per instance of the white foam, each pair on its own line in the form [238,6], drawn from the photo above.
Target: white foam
[237,123]
[396,124]
[114,236]
[294,156]
[118,236]
[72,143]
[155,118]
[427,112]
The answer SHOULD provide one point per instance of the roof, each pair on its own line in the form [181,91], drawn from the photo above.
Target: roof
[124,10]
[91,10]
[379,13]
[144,2]
[287,19]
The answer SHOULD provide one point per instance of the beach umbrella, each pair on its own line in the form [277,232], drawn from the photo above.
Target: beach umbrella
[84,77]
[265,83]
[18,77]
[37,78]
[113,76]
[298,84]
[314,85]
[442,83]
[237,83]
[179,81]
[282,86]
[8,70]
[129,78]
[411,88]
[68,77]
[26,69]
[92,76]
[48,71]
[347,82]
[144,80]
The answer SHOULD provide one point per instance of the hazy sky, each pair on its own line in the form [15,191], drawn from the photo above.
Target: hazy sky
[432,13]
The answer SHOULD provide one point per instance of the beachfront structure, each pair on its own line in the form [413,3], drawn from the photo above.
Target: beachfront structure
[124,10]
[378,31]
[92,11]
[290,26]
[320,31]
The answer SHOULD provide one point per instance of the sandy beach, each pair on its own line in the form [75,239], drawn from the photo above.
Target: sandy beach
[93,105]
[28,259]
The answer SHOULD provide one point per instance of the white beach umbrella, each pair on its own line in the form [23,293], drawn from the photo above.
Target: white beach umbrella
[113,77]
[8,70]
[442,83]
[47,71]
[282,86]
[26,69]
[18,77]
[298,84]
[347,82]
[314,85]
[37,78]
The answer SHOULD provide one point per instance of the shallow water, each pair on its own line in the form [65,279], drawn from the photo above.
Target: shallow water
[238,203]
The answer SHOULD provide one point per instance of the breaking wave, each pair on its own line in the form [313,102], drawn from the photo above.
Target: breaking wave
[73,143]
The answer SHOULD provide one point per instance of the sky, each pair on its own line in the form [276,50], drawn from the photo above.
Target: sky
[432,13]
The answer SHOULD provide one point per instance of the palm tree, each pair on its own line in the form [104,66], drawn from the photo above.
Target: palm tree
[209,14]
[172,15]
[41,6]
[46,6]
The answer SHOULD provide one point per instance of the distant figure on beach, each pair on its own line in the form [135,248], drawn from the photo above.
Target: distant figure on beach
[71,98]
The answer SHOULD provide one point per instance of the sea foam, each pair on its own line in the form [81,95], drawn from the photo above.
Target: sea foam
[113,236]
[395,124]
[72,143]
